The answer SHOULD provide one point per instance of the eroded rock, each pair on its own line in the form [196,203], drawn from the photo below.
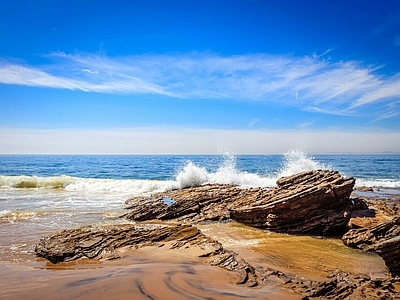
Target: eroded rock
[384,239]
[100,242]
[314,202]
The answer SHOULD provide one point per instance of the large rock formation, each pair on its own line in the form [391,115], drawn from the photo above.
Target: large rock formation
[315,202]
[383,239]
[101,243]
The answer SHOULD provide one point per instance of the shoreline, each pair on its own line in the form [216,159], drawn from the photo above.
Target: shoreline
[151,272]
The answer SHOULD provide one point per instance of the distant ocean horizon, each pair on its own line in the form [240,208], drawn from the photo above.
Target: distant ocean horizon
[40,194]
[368,169]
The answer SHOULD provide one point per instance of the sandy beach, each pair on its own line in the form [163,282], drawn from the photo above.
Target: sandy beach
[156,272]
[277,265]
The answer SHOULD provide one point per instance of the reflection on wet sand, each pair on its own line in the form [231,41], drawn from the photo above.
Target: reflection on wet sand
[163,273]
[147,273]
[304,256]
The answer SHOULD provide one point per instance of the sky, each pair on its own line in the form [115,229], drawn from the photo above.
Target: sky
[199,77]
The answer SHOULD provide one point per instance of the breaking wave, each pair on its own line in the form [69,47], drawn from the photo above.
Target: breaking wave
[191,174]
[297,161]
[55,182]
[294,162]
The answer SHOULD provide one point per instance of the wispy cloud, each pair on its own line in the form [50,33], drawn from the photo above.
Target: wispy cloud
[322,85]
[305,125]
[253,122]
[30,76]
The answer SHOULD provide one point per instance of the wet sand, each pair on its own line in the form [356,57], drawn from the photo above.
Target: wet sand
[163,273]
[146,273]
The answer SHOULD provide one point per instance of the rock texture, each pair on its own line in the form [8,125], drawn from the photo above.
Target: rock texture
[384,239]
[314,202]
[102,242]
[340,285]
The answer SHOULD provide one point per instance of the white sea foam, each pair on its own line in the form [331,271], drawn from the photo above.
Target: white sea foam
[16,215]
[295,162]
[227,173]
[192,175]
[68,183]
[378,183]
[125,186]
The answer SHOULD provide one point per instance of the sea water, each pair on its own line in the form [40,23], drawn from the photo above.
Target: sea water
[40,194]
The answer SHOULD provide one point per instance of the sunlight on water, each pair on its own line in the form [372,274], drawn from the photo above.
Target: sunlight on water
[307,256]
[17,215]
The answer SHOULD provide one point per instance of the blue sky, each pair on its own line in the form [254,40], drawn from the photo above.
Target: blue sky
[199,76]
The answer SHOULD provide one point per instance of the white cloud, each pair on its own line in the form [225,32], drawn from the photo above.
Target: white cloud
[253,122]
[193,141]
[336,87]
[386,90]
[21,75]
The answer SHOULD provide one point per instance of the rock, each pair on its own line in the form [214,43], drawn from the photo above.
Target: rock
[102,241]
[365,189]
[384,239]
[194,204]
[341,285]
[314,202]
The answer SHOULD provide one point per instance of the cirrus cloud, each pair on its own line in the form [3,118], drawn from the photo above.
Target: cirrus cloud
[342,87]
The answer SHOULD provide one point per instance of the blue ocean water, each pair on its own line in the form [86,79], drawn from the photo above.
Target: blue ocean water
[43,193]
[371,168]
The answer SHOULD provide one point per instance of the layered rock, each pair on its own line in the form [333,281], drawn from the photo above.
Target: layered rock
[384,239]
[101,243]
[315,202]
[195,204]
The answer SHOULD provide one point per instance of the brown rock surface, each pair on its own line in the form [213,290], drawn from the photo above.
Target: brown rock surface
[383,239]
[315,202]
[101,242]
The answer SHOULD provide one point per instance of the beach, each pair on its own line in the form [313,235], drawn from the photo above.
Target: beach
[36,204]
[162,273]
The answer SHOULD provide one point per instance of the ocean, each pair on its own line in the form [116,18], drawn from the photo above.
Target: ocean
[40,194]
